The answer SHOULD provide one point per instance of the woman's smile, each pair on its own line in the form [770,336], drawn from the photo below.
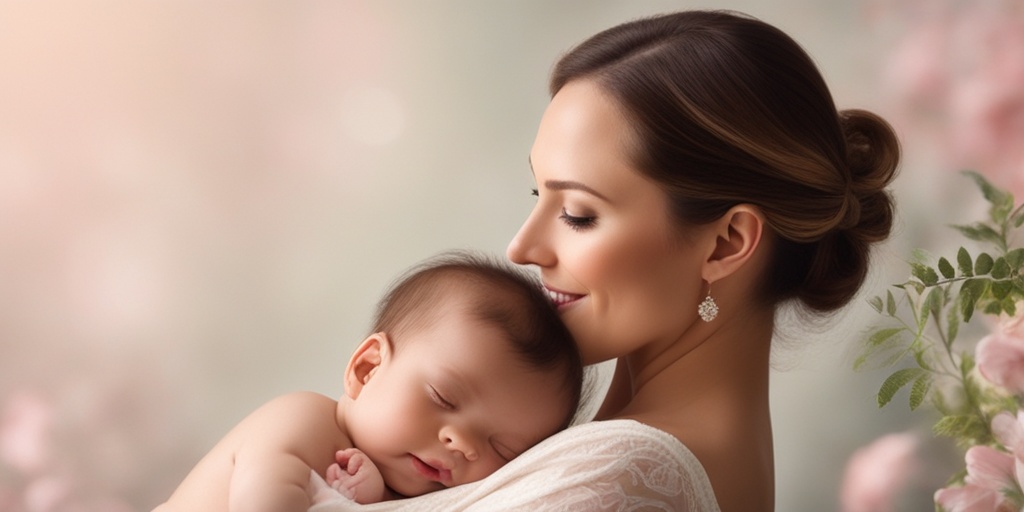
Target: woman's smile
[562,299]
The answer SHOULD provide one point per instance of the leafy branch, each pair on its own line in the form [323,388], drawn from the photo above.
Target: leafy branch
[924,316]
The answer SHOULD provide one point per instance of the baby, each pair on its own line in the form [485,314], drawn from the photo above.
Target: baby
[468,366]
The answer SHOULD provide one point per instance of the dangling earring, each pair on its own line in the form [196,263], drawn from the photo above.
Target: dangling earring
[708,309]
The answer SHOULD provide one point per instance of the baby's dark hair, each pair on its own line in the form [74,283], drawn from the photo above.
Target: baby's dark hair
[494,292]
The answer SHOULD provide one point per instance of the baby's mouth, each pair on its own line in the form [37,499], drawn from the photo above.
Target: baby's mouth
[432,471]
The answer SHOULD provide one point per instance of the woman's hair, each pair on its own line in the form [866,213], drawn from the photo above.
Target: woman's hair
[729,110]
[495,293]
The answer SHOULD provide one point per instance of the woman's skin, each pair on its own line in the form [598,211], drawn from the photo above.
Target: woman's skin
[628,279]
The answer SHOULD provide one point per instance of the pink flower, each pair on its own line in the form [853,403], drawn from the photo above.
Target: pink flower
[46,494]
[877,472]
[971,498]
[1009,431]
[989,472]
[957,78]
[987,105]
[25,427]
[1000,359]
[1013,325]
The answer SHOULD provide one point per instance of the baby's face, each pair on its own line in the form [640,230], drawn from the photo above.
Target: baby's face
[452,405]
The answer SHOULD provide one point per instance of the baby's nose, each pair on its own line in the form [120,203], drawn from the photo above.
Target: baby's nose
[458,441]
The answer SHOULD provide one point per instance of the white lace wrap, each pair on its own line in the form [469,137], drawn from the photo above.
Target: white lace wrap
[607,465]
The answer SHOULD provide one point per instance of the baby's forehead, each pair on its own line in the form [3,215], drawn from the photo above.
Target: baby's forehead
[495,367]
[454,324]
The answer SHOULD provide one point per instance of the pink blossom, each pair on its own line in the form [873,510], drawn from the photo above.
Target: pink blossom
[1000,359]
[988,467]
[877,472]
[957,76]
[25,427]
[1013,325]
[1009,431]
[970,498]
[46,494]
[989,472]
[988,103]
[917,69]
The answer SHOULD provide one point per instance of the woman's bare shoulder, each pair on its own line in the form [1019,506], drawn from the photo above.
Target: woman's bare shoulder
[736,455]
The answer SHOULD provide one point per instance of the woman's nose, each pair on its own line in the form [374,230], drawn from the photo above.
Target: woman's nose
[530,246]
[457,440]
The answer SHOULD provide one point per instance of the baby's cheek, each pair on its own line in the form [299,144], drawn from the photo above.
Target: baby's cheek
[482,469]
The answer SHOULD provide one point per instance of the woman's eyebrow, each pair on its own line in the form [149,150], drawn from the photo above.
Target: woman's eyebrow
[565,184]
[572,185]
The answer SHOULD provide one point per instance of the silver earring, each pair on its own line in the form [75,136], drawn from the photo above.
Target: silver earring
[708,309]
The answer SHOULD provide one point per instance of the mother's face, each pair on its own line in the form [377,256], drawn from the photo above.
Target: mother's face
[622,274]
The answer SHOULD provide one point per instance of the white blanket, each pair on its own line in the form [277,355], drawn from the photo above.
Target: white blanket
[606,465]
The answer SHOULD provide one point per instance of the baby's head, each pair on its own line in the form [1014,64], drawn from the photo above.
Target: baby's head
[491,291]
[469,365]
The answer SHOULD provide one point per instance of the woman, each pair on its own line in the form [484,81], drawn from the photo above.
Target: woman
[692,175]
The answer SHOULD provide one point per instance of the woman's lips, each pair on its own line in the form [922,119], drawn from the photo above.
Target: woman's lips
[562,299]
[432,471]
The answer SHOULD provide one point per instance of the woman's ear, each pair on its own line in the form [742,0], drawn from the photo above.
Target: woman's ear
[737,236]
[365,361]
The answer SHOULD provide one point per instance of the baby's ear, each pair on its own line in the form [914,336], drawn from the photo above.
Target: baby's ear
[364,362]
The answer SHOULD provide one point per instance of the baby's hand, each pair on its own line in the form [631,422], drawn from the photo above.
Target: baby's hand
[356,477]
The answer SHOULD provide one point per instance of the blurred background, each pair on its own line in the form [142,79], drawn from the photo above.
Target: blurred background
[201,202]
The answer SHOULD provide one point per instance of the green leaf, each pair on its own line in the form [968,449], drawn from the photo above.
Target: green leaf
[876,304]
[919,391]
[958,426]
[1000,200]
[964,262]
[953,328]
[1015,259]
[925,273]
[921,359]
[1018,218]
[1000,269]
[920,255]
[862,360]
[1009,306]
[882,335]
[895,382]
[859,362]
[946,269]
[970,291]
[967,309]
[993,308]
[1001,289]
[890,303]
[942,404]
[980,232]
[915,285]
[983,264]
[932,305]
[966,366]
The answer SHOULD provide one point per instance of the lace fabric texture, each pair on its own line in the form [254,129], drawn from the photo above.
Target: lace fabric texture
[620,465]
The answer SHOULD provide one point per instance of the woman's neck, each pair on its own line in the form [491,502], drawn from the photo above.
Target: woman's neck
[710,362]
[711,393]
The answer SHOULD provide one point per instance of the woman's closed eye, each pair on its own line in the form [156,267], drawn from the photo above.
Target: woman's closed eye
[577,223]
